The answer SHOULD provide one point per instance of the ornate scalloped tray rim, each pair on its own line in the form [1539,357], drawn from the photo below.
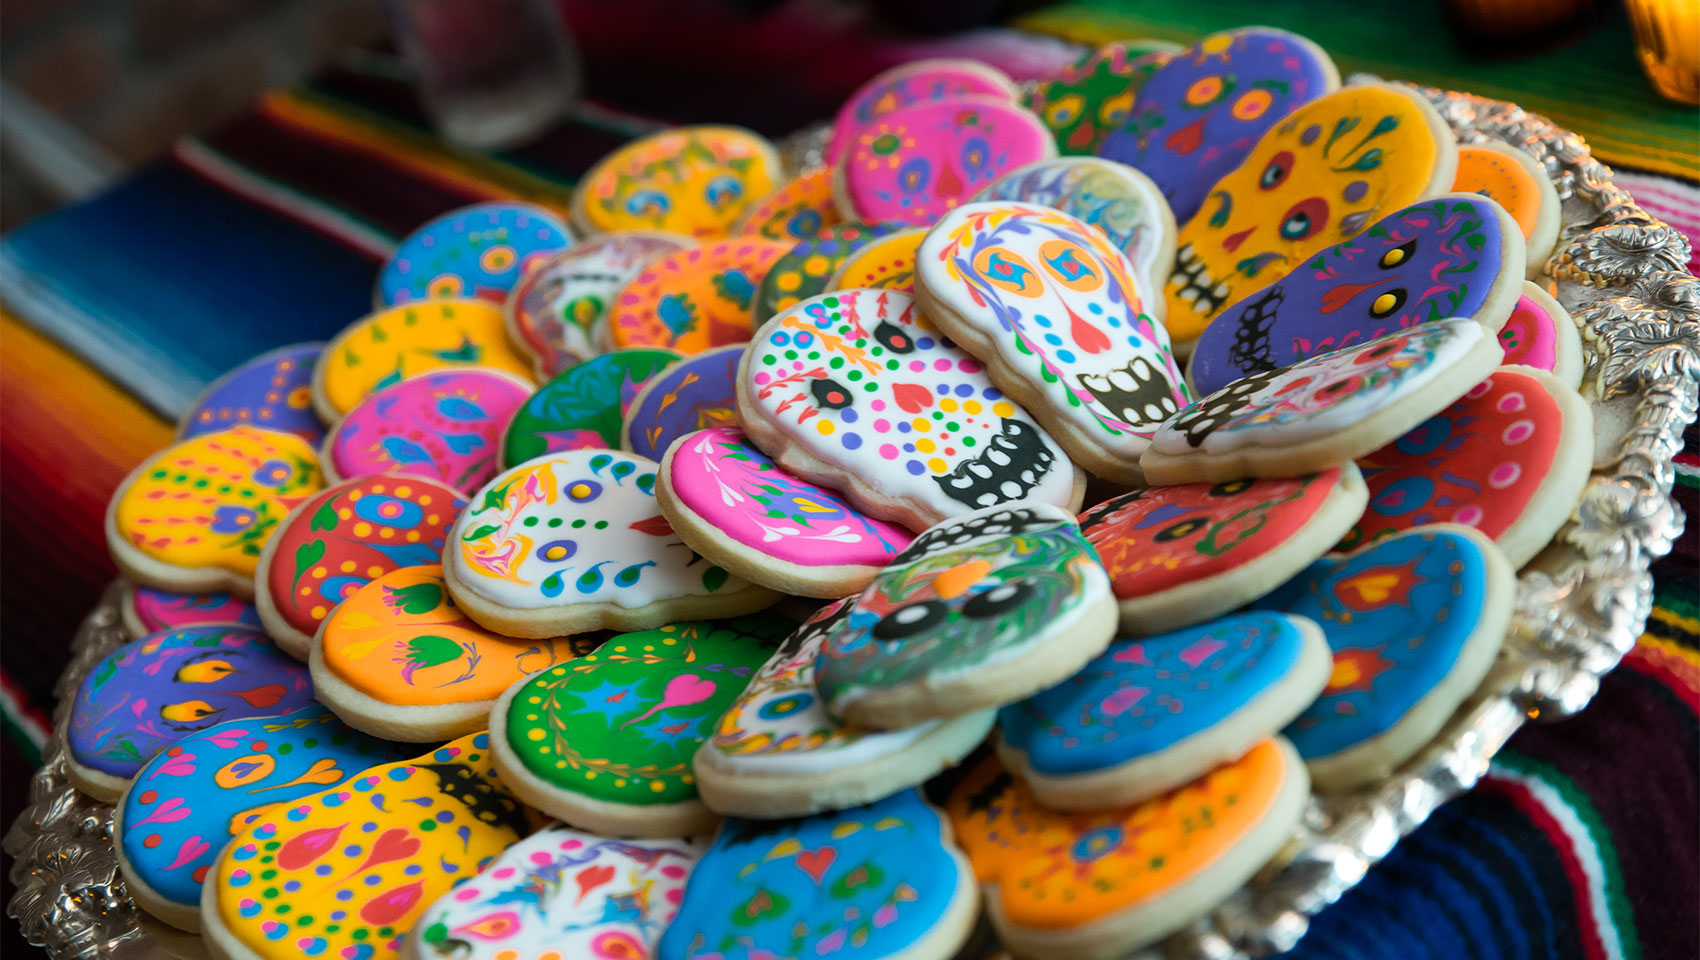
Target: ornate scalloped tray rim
[1580,605]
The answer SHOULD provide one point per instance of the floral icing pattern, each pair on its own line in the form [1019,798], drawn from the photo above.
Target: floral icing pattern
[445,426]
[273,390]
[694,394]
[696,298]
[153,610]
[887,263]
[805,270]
[391,345]
[476,252]
[582,407]
[799,210]
[1091,98]
[694,181]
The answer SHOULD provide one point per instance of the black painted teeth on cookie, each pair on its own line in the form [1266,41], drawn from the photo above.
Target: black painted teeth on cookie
[1011,467]
[1251,351]
[1195,284]
[1203,418]
[1138,394]
[1010,522]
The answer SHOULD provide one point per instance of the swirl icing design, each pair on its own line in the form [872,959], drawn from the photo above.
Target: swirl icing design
[582,406]
[579,527]
[195,795]
[1433,259]
[562,893]
[696,298]
[1320,396]
[150,693]
[1531,336]
[918,82]
[860,883]
[1316,178]
[389,346]
[1201,111]
[346,872]
[807,268]
[694,181]
[446,426]
[1091,98]
[212,501]
[864,382]
[620,725]
[799,210]
[915,164]
[560,309]
[154,609]
[273,390]
[694,394]
[887,263]
[476,252]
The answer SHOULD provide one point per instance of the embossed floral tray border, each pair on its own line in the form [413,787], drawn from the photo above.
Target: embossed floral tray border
[1580,605]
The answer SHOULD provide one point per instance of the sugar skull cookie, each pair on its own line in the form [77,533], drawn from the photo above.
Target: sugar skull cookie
[806,270]
[695,181]
[445,425]
[274,390]
[1091,98]
[1456,255]
[694,394]
[1519,184]
[151,693]
[887,263]
[1541,334]
[798,210]
[196,516]
[695,299]
[910,84]
[858,391]
[1052,307]
[477,252]
[581,407]
[1323,411]
[1322,175]
[573,542]
[149,609]
[979,611]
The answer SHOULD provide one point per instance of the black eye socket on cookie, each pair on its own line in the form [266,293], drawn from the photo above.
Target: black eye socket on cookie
[1388,303]
[1399,254]
[1183,529]
[1232,488]
[893,338]
[830,393]
[910,620]
[998,600]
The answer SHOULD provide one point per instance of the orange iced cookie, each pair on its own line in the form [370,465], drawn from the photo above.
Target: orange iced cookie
[697,298]
[799,210]
[887,262]
[1515,181]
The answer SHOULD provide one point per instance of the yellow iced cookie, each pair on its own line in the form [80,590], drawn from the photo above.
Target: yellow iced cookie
[887,262]
[691,180]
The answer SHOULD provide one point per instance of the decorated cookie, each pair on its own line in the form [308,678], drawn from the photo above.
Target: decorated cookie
[574,542]
[340,540]
[740,510]
[1414,622]
[915,164]
[391,345]
[605,742]
[1455,255]
[559,312]
[1091,98]
[858,391]
[807,269]
[195,517]
[149,609]
[799,210]
[1201,111]
[1052,307]
[1519,184]
[446,425]
[1188,553]
[1322,175]
[1115,198]
[878,882]
[346,872]
[1153,713]
[1072,886]
[274,390]
[1509,458]
[979,611]
[777,753]
[187,802]
[909,84]
[581,407]
[694,394]
[694,181]
[474,252]
[152,692]
[1323,411]
[1542,334]
[696,298]
[561,893]
[887,263]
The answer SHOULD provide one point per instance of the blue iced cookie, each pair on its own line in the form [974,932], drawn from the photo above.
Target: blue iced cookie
[274,390]
[478,252]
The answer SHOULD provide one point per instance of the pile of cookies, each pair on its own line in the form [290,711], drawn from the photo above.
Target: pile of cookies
[648,584]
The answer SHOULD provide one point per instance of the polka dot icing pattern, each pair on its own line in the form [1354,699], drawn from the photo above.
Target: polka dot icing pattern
[860,883]
[736,489]
[402,641]
[562,893]
[915,164]
[805,271]
[273,390]
[690,180]
[559,311]
[696,298]
[621,724]
[214,500]
[346,872]
[867,369]
[1318,177]
[694,394]
[578,527]
[155,610]
[1201,111]
[887,263]
[151,693]
[192,797]
[446,426]
[581,408]
[917,82]
[799,210]
[478,251]
[1433,259]
[1090,99]
[387,347]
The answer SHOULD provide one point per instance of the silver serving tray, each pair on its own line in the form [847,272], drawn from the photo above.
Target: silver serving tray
[1581,604]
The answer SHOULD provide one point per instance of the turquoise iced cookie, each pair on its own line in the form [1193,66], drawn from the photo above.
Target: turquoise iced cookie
[478,252]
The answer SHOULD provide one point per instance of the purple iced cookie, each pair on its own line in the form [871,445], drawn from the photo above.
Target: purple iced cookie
[274,390]
[148,610]
[694,394]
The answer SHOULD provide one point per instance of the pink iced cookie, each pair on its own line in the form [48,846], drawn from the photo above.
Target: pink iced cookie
[1541,334]
[919,81]
[915,164]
